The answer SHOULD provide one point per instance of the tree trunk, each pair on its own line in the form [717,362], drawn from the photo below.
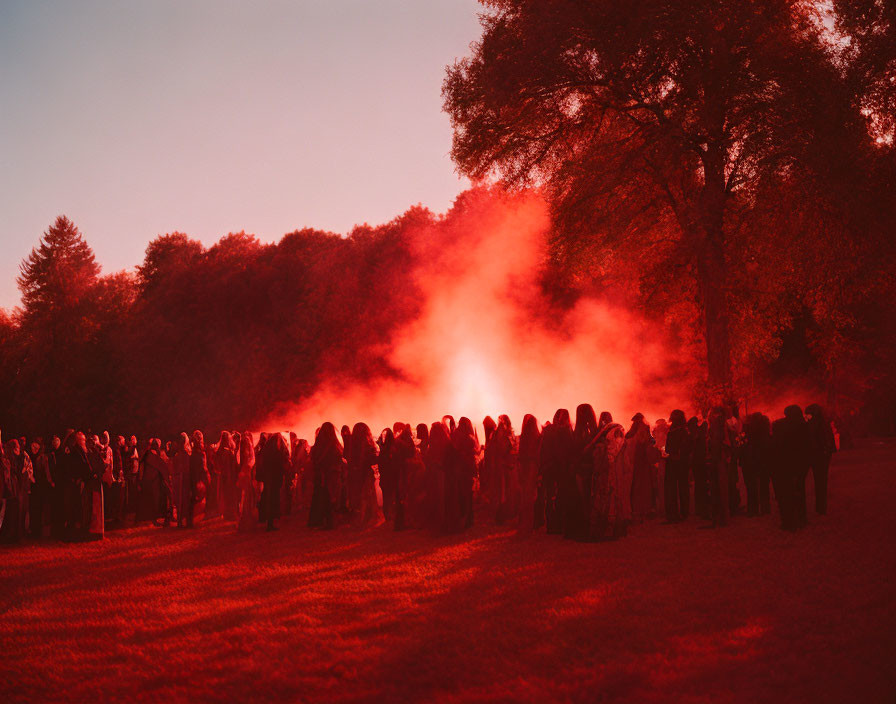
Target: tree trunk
[712,274]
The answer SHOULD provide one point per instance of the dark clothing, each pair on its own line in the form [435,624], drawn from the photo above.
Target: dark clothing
[271,470]
[556,457]
[821,447]
[677,487]
[198,486]
[790,442]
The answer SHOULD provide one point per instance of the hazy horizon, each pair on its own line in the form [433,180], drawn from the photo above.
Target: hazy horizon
[212,117]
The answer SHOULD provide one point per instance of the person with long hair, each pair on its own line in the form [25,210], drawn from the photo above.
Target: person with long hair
[200,480]
[273,463]
[676,482]
[697,459]
[466,453]
[821,448]
[228,470]
[180,478]
[436,461]
[557,457]
[529,448]
[718,451]
[608,520]
[362,465]
[638,479]
[94,521]
[576,483]
[388,472]
[755,459]
[247,497]
[505,467]
[327,463]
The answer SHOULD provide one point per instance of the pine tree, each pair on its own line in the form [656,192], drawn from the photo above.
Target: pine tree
[57,274]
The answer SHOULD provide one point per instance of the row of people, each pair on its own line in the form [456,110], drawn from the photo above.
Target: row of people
[587,481]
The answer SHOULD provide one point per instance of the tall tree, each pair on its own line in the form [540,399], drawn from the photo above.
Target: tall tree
[870,26]
[649,123]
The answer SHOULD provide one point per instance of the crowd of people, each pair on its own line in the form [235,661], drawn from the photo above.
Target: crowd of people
[587,481]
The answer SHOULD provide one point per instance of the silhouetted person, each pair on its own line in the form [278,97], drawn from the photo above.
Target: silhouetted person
[676,485]
[790,442]
[466,452]
[821,448]
[273,464]
[697,432]
[92,497]
[403,458]
[756,458]
[529,451]
[388,472]
[247,500]
[57,512]
[718,451]
[41,492]
[576,485]
[362,464]
[228,470]
[607,520]
[199,480]
[131,460]
[557,457]
[326,462]
[638,474]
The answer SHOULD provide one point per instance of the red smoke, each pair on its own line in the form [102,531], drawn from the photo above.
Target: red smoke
[477,349]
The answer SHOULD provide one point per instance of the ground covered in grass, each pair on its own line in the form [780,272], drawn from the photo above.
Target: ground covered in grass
[747,613]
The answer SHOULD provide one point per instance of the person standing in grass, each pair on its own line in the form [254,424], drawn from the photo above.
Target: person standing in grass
[199,480]
[821,448]
[530,445]
[247,517]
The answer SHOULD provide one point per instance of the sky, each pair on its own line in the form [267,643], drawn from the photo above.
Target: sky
[211,116]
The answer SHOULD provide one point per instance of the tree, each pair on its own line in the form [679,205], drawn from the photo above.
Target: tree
[57,281]
[870,26]
[650,124]
[59,272]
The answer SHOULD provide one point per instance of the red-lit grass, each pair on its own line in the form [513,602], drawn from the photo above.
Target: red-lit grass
[748,613]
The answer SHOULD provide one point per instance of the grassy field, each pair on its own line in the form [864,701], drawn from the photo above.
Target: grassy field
[748,613]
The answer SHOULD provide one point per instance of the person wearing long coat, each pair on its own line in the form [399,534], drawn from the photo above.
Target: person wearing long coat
[94,519]
[718,453]
[755,461]
[388,472]
[273,465]
[247,518]
[362,467]
[821,448]
[529,450]
[326,462]
[638,475]
[676,482]
[228,469]
[41,492]
[466,455]
[506,471]
[608,505]
[9,501]
[555,463]
[697,432]
[791,448]
[576,484]
[200,479]
[153,483]
[180,478]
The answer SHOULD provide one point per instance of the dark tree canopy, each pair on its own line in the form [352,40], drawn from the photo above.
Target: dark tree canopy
[654,126]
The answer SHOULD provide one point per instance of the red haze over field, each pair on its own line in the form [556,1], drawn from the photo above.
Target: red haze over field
[480,348]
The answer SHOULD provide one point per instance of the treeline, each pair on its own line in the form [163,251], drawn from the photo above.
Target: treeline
[218,337]
[215,337]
